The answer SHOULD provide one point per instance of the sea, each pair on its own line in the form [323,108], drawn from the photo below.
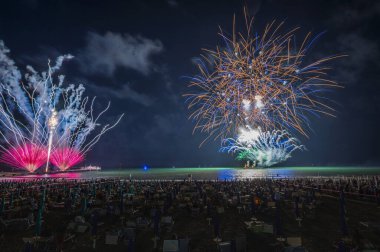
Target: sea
[206,173]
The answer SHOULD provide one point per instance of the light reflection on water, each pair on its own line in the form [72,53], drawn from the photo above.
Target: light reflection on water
[208,173]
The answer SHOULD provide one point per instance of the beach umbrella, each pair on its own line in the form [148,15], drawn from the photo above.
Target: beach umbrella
[121,201]
[28,247]
[11,200]
[73,196]
[278,220]
[42,202]
[132,189]
[342,208]
[156,225]
[93,190]
[94,223]
[216,222]
[108,189]
[208,209]
[84,205]
[40,211]
[131,245]
[297,212]
[341,246]
[2,207]
[277,217]
[39,221]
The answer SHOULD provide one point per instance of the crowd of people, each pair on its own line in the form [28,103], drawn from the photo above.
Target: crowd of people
[62,214]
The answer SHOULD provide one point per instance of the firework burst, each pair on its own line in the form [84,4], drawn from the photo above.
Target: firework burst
[65,158]
[259,80]
[266,148]
[27,156]
[40,110]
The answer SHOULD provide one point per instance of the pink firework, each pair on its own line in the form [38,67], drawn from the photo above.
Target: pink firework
[66,157]
[27,156]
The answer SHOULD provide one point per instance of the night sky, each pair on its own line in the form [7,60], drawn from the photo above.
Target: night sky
[137,54]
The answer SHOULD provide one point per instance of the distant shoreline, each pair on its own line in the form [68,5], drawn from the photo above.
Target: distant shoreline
[12,174]
[200,173]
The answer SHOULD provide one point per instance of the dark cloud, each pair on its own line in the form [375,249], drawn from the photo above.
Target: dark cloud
[126,92]
[162,127]
[354,37]
[172,3]
[30,3]
[355,14]
[360,51]
[103,54]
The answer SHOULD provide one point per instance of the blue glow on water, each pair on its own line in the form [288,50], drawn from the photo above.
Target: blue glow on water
[225,174]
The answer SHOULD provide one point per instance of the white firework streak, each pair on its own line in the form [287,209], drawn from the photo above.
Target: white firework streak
[268,149]
[27,104]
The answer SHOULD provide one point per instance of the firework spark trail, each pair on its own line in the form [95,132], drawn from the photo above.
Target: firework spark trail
[27,156]
[52,124]
[28,104]
[267,148]
[259,81]
[64,158]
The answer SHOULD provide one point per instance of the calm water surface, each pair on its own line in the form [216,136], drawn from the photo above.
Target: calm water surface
[210,173]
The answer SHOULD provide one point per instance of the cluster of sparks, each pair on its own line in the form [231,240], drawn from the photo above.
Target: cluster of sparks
[27,156]
[43,120]
[259,81]
[266,148]
[64,158]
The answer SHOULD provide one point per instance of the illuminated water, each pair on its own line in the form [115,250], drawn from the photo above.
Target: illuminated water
[212,173]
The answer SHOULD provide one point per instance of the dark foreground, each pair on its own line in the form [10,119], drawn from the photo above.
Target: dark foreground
[313,214]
